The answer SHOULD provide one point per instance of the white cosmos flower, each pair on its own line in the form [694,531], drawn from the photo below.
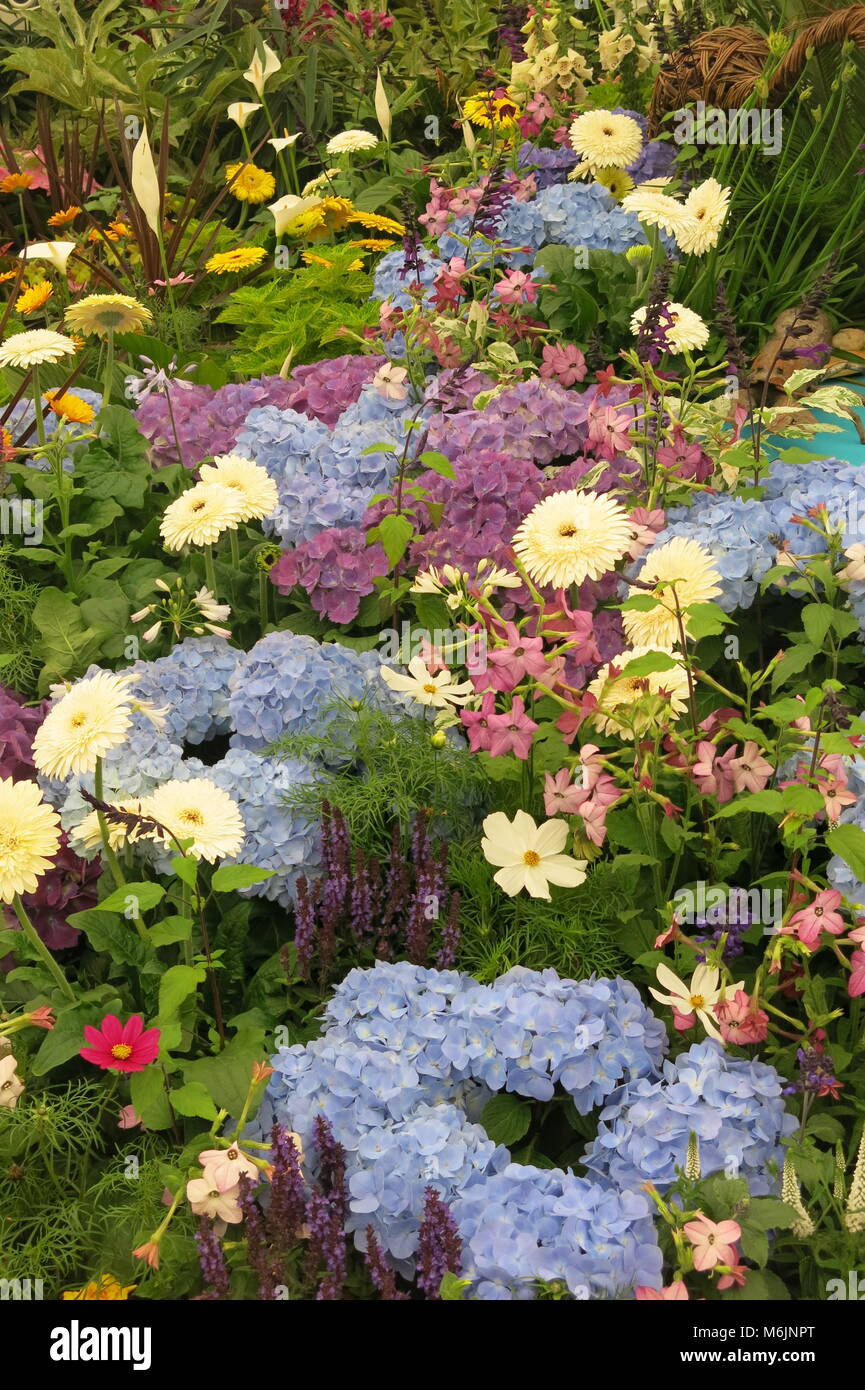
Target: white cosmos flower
[530,855]
[438,690]
[699,997]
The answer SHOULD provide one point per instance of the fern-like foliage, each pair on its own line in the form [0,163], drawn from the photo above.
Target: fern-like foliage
[18,666]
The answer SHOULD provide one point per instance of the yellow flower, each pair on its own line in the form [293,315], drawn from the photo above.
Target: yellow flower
[29,837]
[69,407]
[107,313]
[91,718]
[89,832]
[375,222]
[309,258]
[572,536]
[106,1287]
[33,298]
[14,183]
[371,243]
[356,264]
[241,258]
[616,180]
[254,486]
[249,184]
[7,275]
[488,109]
[620,695]
[64,216]
[200,515]
[605,139]
[683,572]
[200,811]
[115,230]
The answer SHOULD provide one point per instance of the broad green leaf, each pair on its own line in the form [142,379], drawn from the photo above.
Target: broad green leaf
[147,1093]
[176,985]
[848,842]
[108,932]
[506,1118]
[229,877]
[132,899]
[192,1100]
[171,930]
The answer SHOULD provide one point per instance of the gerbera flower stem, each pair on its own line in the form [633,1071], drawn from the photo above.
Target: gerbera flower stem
[110,857]
[108,379]
[41,949]
[235,552]
[37,405]
[210,569]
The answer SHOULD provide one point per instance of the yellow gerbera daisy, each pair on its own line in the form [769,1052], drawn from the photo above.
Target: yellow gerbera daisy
[7,275]
[33,298]
[64,216]
[241,258]
[68,406]
[89,832]
[376,222]
[200,811]
[617,181]
[117,229]
[249,184]
[254,486]
[108,313]
[29,837]
[309,258]
[14,183]
[200,515]
[91,718]
[370,243]
[488,109]
[683,573]
[625,704]
[34,346]
[106,1287]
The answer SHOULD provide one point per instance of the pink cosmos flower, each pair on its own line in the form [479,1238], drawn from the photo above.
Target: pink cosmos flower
[714,1242]
[512,731]
[516,287]
[714,775]
[856,983]
[742,1022]
[561,795]
[750,772]
[562,362]
[819,916]
[670,1293]
[608,431]
[121,1047]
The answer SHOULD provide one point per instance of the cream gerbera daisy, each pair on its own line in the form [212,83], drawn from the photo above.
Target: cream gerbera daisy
[35,346]
[572,536]
[102,314]
[348,141]
[605,141]
[200,811]
[200,515]
[89,719]
[29,837]
[706,209]
[254,486]
[619,694]
[686,333]
[685,573]
[89,835]
[655,208]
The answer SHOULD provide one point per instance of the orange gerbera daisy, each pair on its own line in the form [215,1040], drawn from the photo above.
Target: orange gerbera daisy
[33,298]
[14,183]
[64,216]
[116,229]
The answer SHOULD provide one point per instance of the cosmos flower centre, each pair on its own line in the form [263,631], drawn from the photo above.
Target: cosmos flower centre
[121,1051]
[532,858]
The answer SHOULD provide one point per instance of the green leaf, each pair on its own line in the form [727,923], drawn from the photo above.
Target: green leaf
[66,1038]
[706,620]
[185,868]
[506,1119]
[452,1288]
[171,930]
[147,1093]
[804,800]
[439,463]
[229,877]
[176,985]
[395,532]
[758,801]
[755,1242]
[117,464]
[793,661]
[768,1213]
[192,1100]
[624,828]
[110,933]
[651,662]
[817,620]
[134,898]
[226,1076]
[848,842]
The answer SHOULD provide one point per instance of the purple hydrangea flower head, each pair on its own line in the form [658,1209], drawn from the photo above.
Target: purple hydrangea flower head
[336,568]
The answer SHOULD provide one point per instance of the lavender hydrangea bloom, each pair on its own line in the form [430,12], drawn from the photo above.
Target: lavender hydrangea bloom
[550,165]
[578,214]
[336,568]
[195,422]
[323,390]
[193,681]
[390,283]
[733,1105]
[526,1224]
[536,419]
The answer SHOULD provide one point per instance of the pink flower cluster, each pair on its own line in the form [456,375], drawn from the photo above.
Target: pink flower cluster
[336,568]
[590,798]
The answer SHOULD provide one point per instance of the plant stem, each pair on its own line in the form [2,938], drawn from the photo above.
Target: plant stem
[41,949]
[108,378]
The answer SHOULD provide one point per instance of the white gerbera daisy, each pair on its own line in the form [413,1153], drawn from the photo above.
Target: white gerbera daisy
[572,536]
[92,717]
[620,694]
[200,515]
[684,572]
[530,855]
[686,333]
[348,141]
[252,483]
[88,832]
[35,346]
[29,837]
[200,811]
[706,209]
[655,208]
[605,140]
